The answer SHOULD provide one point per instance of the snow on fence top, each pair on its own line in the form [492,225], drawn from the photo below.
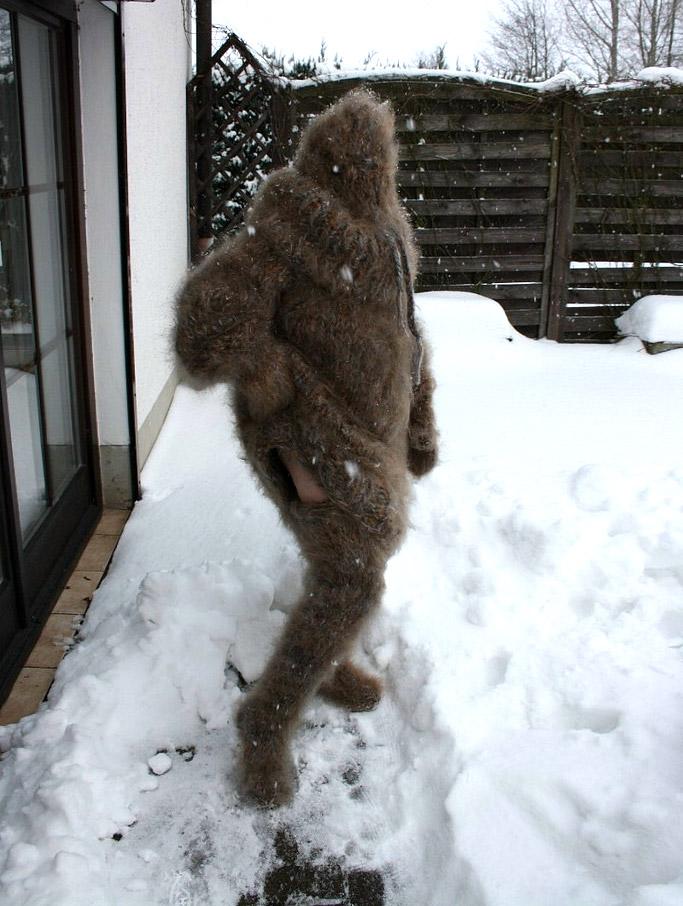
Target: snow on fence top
[566,80]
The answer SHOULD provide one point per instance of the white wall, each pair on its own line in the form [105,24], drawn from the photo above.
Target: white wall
[157,68]
[100,160]
[99,130]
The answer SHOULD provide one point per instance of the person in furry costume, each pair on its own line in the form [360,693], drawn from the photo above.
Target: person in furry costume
[308,311]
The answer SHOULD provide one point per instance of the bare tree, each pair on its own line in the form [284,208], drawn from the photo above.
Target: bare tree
[524,42]
[605,39]
[595,29]
[434,60]
[655,32]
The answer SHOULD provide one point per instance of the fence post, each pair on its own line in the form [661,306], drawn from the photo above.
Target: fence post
[281,105]
[203,113]
[550,218]
[560,246]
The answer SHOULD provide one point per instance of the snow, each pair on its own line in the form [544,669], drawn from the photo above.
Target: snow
[661,75]
[562,81]
[528,746]
[159,763]
[565,80]
[352,469]
[655,319]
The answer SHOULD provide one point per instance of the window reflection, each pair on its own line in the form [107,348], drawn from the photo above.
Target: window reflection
[37,345]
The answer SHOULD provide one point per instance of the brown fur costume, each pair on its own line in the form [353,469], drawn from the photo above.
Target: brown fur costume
[308,311]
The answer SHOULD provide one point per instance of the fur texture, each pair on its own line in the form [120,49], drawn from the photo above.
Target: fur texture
[308,312]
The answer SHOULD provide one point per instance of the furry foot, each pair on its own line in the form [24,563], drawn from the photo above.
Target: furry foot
[266,771]
[352,688]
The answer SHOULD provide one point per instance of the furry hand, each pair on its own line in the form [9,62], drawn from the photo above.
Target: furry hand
[420,462]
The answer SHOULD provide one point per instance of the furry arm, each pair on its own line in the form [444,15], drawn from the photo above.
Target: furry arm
[223,323]
[307,227]
[422,434]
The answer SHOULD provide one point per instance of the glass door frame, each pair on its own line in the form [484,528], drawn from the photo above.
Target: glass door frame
[36,572]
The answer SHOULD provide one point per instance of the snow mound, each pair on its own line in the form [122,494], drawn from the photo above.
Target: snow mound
[661,75]
[216,608]
[654,319]
[140,684]
[468,318]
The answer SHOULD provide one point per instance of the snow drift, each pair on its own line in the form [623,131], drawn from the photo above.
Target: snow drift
[528,748]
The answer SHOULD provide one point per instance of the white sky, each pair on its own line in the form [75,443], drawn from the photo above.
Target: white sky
[397,30]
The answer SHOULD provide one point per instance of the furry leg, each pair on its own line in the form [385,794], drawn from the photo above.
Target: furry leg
[320,630]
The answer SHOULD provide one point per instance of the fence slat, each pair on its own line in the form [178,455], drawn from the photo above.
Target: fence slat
[637,188]
[614,243]
[463,179]
[477,151]
[475,235]
[479,263]
[627,216]
[592,275]
[622,133]
[484,206]
[474,122]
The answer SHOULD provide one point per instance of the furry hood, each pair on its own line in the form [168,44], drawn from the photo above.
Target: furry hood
[338,200]
[350,151]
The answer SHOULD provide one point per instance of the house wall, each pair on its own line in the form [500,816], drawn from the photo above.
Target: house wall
[97,26]
[157,61]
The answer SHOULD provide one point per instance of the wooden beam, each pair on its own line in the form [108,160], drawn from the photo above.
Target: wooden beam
[474,122]
[447,264]
[561,239]
[487,206]
[463,179]
[475,235]
[514,150]
[550,225]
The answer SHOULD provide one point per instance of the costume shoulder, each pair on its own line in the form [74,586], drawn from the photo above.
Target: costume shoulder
[304,225]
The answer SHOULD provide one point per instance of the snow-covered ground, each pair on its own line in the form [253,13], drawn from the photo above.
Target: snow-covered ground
[529,747]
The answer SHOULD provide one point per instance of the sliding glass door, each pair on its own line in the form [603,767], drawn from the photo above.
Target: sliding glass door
[47,478]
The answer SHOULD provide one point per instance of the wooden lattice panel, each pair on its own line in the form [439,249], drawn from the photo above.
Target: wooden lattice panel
[243,140]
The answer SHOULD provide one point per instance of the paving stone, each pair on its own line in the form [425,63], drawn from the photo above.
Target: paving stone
[97,554]
[112,522]
[53,641]
[27,693]
[78,592]
[296,880]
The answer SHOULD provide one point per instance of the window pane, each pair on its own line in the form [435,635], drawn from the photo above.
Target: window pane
[38,103]
[19,356]
[51,285]
[10,145]
[60,439]
[22,398]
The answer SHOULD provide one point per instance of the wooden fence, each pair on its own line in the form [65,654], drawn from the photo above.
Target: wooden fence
[563,206]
